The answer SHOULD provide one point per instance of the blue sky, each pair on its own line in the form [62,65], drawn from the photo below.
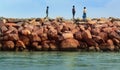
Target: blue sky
[36,8]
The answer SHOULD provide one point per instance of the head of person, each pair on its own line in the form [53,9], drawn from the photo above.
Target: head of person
[47,6]
[84,7]
[73,6]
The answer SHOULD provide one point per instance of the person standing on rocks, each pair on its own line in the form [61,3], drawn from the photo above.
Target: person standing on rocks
[73,12]
[84,14]
[47,11]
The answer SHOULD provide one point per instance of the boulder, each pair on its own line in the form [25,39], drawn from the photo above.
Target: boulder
[36,46]
[113,34]
[110,44]
[78,35]
[26,32]
[20,46]
[35,37]
[13,37]
[103,35]
[67,35]
[3,29]
[43,37]
[86,35]
[8,45]
[45,45]
[69,44]
[25,40]
[90,42]
[53,46]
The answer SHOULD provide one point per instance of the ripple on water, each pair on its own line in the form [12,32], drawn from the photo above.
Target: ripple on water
[59,61]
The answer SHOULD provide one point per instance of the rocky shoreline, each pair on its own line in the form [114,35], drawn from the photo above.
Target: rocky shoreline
[59,35]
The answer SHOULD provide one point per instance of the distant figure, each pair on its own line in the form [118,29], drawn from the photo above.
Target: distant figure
[47,11]
[73,12]
[84,14]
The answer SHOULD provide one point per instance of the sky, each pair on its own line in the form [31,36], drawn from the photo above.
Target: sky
[59,8]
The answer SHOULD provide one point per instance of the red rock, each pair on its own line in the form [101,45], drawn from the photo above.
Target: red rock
[116,41]
[36,46]
[45,45]
[114,35]
[13,37]
[69,44]
[43,37]
[67,35]
[20,44]
[35,37]
[53,47]
[25,40]
[103,35]
[90,42]
[78,35]
[98,39]
[26,32]
[110,44]
[86,35]
[4,29]
[8,45]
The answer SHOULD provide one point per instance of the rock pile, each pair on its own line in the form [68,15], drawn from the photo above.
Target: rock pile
[59,35]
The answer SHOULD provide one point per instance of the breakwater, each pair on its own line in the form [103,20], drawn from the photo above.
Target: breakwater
[59,35]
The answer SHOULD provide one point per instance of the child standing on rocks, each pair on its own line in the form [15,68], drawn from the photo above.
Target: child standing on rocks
[73,12]
[47,11]
[84,14]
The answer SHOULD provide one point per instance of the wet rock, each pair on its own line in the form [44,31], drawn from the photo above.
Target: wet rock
[36,46]
[53,47]
[8,45]
[25,40]
[45,45]
[69,44]
[110,44]
[20,46]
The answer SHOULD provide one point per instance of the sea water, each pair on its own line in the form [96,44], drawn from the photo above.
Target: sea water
[59,61]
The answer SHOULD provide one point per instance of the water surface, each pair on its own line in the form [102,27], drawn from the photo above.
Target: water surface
[59,61]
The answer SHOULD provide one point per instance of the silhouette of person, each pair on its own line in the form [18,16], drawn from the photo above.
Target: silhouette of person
[73,12]
[84,14]
[47,11]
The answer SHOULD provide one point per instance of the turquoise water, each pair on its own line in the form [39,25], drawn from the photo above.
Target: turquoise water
[59,61]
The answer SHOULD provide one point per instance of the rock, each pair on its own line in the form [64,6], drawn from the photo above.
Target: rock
[110,44]
[25,40]
[90,42]
[53,47]
[67,35]
[13,37]
[113,34]
[116,41]
[35,38]
[8,45]
[36,46]
[92,48]
[0,46]
[3,29]
[45,45]
[26,32]
[98,39]
[86,35]
[20,46]
[69,44]
[103,35]
[78,35]
[43,37]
